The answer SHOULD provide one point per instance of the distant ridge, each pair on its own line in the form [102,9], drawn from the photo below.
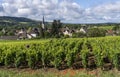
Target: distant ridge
[11,21]
[15,19]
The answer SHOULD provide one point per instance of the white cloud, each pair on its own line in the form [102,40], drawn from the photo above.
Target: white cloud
[107,12]
[24,11]
[107,17]
[52,9]
[107,8]
[68,10]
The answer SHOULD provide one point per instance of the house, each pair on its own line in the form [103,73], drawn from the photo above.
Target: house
[83,29]
[31,33]
[110,33]
[22,34]
[29,36]
[3,30]
[67,31]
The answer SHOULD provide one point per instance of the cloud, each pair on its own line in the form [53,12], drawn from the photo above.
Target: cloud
[52,9]
[67,10]
[108,12]
[29,8]
[1,8]
[108,8]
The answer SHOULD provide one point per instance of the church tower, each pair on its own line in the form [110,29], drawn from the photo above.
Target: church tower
[43,23]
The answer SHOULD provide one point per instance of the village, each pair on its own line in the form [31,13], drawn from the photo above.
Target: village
[57,29]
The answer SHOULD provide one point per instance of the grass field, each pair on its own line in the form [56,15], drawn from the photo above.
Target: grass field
[106,27]
[63,73]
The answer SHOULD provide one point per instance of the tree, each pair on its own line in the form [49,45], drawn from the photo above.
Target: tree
[116,29]
[59,24]
[47,34]
[1,33]
[79,34]
[96,32]
[56,26]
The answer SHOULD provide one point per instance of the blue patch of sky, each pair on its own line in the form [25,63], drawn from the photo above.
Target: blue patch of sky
[93,3]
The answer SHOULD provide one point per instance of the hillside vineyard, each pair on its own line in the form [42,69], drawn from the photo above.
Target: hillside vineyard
[62,53]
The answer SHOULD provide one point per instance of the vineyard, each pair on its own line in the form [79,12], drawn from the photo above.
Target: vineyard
[62,53]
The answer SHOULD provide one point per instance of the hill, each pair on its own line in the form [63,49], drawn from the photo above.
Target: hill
[16,21]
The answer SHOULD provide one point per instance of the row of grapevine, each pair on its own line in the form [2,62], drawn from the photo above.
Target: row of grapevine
[62,53]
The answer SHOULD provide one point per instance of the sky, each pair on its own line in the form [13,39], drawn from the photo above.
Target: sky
[68,11]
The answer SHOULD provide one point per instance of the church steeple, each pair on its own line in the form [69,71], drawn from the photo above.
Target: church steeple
[43,19]
[43,23]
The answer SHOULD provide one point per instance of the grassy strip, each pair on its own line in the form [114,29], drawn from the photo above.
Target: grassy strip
[8,73]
